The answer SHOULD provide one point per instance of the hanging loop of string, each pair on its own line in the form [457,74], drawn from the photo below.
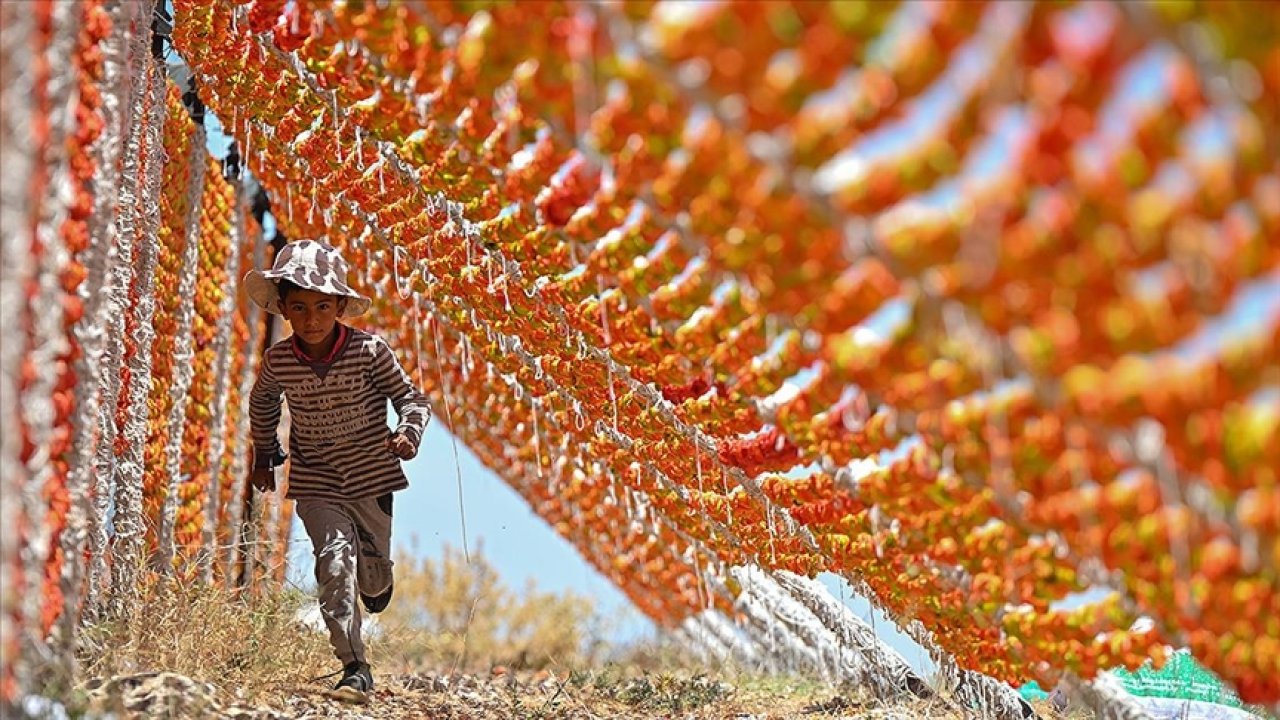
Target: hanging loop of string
[422,266]
[448,414]
[407,290]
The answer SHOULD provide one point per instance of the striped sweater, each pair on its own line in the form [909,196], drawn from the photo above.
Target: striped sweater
[338,417]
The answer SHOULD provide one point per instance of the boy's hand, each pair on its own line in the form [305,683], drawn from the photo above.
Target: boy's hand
[264,480]
[401,446]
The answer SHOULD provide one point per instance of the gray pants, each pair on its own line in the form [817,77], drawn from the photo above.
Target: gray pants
[352,543]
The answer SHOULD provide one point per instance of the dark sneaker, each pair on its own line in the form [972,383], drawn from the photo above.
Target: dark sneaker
[356,683]
[377,603]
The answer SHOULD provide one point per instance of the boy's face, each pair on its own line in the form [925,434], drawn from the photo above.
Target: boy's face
[312,315]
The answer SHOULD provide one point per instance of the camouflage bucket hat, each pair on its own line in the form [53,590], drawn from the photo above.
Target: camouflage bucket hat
[308,264]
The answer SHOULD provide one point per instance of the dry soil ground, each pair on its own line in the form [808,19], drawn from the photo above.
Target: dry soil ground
[535,696]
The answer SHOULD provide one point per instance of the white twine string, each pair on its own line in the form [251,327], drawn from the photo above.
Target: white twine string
[130,524]
[105,469]
[99,261]
[453,434]
[406,289]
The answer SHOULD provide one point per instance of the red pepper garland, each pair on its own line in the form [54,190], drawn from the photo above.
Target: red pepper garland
[17,268]
[603,264]
[215,244]
[240,352]
[23,617]
[62,115]
[75,238]
[632,546]
[178,136]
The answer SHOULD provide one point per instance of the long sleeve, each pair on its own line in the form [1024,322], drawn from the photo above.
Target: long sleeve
[264,417]
[411,405]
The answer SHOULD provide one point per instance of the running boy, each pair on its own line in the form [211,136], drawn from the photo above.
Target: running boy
[345,460]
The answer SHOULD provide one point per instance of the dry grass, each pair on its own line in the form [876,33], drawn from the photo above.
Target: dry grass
[249,647]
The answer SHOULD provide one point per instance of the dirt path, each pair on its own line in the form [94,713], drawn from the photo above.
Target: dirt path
[466,697]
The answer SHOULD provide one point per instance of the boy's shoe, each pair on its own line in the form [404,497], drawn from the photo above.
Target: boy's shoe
[377,603]
[356,683]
